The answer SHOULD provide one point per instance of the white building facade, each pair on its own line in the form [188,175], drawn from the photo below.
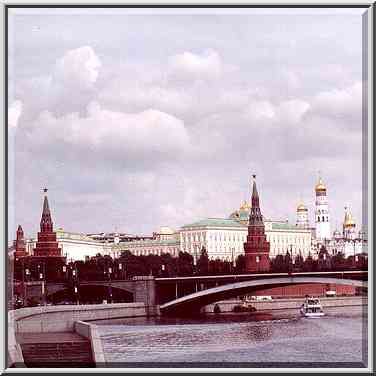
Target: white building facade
[224,238]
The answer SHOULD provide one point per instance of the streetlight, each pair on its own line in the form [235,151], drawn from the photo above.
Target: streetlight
[42,278]
[75,283]
[120,267]
[109,271]
[76,293]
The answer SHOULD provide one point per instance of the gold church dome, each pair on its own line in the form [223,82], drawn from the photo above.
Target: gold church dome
[245,206]
[301,207]
[320,186]
[349,220]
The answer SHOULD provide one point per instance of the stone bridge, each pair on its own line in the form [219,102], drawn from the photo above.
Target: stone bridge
[194,301]
[139,289]
[167,292]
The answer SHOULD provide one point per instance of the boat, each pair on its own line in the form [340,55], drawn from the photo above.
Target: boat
[312,308]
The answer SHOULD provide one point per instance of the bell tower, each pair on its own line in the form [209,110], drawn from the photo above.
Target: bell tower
[322,218]
[256,248]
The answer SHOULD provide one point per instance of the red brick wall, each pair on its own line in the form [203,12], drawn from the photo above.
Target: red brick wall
[307,289]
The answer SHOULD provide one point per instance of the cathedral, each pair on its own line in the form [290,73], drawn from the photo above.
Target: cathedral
[349,242]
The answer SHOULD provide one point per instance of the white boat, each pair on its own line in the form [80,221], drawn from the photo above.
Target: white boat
[312,308]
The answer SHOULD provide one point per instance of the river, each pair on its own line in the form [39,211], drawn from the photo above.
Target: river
[262,339]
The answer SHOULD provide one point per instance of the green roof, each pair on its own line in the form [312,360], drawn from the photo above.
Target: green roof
[215,222]
[284,226]
[146,242]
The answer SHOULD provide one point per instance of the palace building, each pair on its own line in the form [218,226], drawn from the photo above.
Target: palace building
[224,238]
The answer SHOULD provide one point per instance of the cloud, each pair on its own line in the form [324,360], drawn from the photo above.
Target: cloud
[78,67]
[293,110]
[341,103]
[105,135]
[188,65]
[178,129]
[14,113]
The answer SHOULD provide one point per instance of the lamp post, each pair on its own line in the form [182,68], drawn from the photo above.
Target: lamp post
[42,277]
[108,271]
[75,283]
[64,268]
[120,268]
[232,260]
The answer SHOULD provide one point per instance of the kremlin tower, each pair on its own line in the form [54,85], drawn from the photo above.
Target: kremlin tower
[302,216]
[322,218]
[46,245]
[19,243]
[256,248]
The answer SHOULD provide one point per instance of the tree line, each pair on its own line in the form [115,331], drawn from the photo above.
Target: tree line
[128,265]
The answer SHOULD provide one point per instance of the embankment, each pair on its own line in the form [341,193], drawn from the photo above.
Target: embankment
[291,303]
[67,318]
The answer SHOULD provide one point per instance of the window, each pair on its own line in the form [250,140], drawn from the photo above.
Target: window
[323,219]
[318,219]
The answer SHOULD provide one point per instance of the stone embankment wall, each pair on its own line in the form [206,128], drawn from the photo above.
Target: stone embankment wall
[228,305]
[64,318]
[90,331]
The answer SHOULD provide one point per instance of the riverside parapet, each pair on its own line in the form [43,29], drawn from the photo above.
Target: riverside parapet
[291,303]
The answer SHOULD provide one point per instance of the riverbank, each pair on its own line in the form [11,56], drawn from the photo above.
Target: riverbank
[287,303]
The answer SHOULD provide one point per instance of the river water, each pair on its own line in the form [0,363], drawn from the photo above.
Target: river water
[262,339]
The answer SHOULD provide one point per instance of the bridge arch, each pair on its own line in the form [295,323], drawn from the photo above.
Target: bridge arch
[90,294]
[194,301]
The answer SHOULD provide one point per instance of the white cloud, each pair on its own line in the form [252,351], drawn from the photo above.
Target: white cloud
[292,110]
[259,110]
[14,112]
[78,67]
[105,135]
[340,102]
[286,112]
[188,65]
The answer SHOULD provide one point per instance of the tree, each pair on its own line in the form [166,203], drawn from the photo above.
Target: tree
[184,264]
[203,263]
[299,262]
[240,264]
[338,262]
[278,264]
[310,265]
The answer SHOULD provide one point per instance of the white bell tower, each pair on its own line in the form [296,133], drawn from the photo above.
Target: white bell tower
[322,218]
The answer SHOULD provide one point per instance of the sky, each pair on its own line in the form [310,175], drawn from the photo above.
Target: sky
[136,119]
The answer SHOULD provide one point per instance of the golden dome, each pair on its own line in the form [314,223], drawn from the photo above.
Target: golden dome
[301,207]
[320,186]
[349,220]
[245,206]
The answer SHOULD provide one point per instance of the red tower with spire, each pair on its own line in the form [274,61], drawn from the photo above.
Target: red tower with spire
[19,243]
[256,248]
[46,244]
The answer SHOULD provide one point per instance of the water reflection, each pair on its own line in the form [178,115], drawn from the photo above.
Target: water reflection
[278,336]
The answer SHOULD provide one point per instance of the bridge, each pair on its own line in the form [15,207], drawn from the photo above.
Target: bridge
[180,293]
[194,301]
